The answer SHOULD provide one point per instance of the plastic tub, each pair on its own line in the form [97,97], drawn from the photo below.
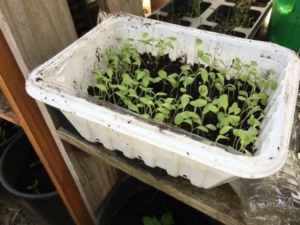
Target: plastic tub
[62,82]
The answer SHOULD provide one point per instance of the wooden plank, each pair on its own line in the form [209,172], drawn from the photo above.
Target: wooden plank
[221,203]
[41,28]
[12,84]
[129,6]
[97,176]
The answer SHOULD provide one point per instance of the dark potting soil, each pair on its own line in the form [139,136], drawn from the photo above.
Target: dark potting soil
[33,172]
[169,66]
[155,203]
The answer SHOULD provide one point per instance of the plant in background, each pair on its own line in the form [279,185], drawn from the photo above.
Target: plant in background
[223,104]
[196,8]
[34,186]
[166,219]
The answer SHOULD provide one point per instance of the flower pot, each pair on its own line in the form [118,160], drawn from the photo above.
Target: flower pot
[63,82]
[130,200]
[19,168]
[221,16]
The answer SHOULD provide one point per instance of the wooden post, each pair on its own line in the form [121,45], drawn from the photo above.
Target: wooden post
[128,6]
[155,4]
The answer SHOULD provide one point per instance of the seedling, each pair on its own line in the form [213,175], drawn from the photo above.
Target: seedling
[34,187]
[166,219]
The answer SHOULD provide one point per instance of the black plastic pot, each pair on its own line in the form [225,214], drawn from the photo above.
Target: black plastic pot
[43,207]
[132,199]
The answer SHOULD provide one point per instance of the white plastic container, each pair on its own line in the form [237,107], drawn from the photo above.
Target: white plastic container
[62,82]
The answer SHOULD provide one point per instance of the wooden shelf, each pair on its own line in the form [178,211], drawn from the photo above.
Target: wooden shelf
[220,203]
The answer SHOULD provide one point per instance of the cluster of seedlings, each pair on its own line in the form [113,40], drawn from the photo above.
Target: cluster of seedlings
[224,104]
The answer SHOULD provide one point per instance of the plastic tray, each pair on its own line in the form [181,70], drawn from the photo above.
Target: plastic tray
[211,8]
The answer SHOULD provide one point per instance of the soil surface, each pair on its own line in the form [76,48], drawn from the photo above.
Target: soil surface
[11,213]
[166,64]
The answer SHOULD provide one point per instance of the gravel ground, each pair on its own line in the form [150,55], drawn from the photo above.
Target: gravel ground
[11,213]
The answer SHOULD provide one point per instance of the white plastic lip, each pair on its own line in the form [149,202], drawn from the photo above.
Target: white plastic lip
[43,86]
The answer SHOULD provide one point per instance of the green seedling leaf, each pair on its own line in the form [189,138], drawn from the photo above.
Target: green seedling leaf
[162,74]
[131,106]
[242,98]
[185,68]
[101,87]
[173,82]
[119,39]
[212,75]
[213,108]
[210,108]
[202,128]
[203,90]
[243,93]
[247,153]
[150,220]
[223,101]
[178,119]
[193,115]
[264,98]
[219,86]
[159,117]
[199,103]
[188,81]
[163,110]
[184,100]
[252,121]
[167,219]
[156,80]
[221,70]
[274,85]
[253,63]
[183,90]
[252,131]
[205,59]
[146,101]
[225,129]
[140,74]
[234,109]
[198,42]
[234,120]
[109,72]
[204,74]
[221,137]
[172,38]
[147,116]
[211,127]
